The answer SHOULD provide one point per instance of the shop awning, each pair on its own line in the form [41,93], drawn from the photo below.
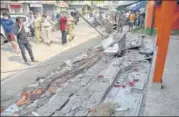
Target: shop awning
[15,6]
[138,6]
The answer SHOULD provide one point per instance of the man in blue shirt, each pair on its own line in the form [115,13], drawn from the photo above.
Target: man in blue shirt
[7,24]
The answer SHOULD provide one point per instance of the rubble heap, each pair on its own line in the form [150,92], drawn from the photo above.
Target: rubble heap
[79,86]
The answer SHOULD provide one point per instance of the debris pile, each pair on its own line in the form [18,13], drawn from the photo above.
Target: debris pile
[94,83]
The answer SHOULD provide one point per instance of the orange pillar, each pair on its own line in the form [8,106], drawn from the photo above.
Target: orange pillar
[163,35]
[150,8]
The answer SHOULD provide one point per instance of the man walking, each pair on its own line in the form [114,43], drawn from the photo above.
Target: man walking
[7,24]
[22,41]
[63,27]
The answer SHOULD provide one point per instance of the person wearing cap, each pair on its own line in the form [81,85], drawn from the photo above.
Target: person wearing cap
[22,41]
[47,25]
[7,24]
[70,22]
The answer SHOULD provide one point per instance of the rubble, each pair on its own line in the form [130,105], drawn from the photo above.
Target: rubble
[35,114]
[91,83]
[147,46]
[104,109]
[114,44]
[133,41]
[12,109]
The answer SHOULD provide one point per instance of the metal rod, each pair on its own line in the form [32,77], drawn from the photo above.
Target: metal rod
[86,20]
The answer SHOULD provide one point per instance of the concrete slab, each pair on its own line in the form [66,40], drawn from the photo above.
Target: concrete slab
[147,46]
[112,50]
[133,40]
[126,100]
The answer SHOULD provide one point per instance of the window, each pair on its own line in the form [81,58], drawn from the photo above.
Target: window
[178,2]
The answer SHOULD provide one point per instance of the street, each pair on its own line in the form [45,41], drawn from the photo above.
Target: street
[57,54]
[11,61]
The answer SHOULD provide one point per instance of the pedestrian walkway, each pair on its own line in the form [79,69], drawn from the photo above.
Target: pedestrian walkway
[42,52]
[165,102]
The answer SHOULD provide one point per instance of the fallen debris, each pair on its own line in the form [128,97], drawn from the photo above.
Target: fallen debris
[94,83]
[12,109]
[147,46]
[133,41]
[104,109]
[35,114]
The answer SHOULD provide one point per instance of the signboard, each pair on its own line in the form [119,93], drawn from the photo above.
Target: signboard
[63,4]
[35,5]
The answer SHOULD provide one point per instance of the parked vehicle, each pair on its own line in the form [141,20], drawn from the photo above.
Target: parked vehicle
[13,17]
[3,36]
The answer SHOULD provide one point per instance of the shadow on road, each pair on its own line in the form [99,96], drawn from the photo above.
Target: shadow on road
[6,47]
[16,59]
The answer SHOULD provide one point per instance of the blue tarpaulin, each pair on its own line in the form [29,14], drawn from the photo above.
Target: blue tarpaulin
[138,6]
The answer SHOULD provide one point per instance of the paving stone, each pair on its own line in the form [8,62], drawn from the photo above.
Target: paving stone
[56,104]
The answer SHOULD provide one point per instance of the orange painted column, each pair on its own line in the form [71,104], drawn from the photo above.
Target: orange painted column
[163,35]
[150,8]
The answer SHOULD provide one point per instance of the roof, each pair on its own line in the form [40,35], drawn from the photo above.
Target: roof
[126,3]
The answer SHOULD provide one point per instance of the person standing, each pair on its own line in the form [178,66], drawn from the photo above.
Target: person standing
[70,22]
[63,27]
[142,19]
[37,26]
[120,22]
[22,41]
[58,16]
[7,24]
[31,23]
[46,24]
[137,18]
[131,21]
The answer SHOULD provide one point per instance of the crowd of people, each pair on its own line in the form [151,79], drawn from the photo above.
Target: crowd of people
[119,19]
[130,18]
[41,26]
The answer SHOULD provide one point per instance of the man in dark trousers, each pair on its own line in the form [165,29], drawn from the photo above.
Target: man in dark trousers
[63,27]
[22,40]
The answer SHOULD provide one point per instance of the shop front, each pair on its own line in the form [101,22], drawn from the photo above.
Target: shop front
[15,8]
[36,7]
[49,8]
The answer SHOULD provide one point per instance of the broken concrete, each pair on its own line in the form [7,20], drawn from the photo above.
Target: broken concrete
[129,102]
[147,46]
[133,41]
[83,83]
[116,44]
